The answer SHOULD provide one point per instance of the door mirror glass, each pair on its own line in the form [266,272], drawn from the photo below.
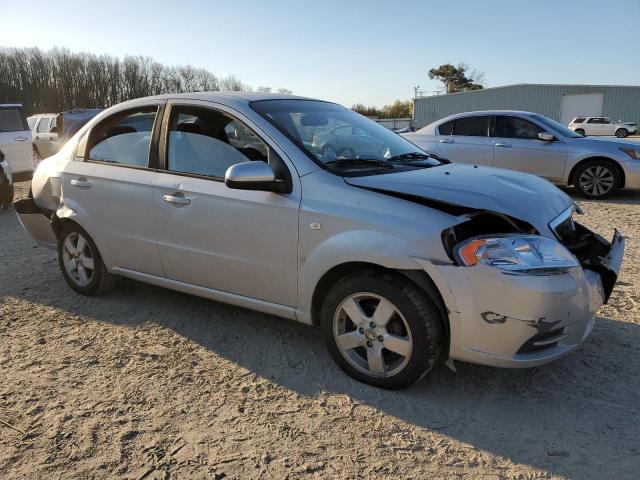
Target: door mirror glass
[255,175]
[546,137]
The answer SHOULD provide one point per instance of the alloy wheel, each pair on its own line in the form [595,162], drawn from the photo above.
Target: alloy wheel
[597,180]
[372,334]
[78,259]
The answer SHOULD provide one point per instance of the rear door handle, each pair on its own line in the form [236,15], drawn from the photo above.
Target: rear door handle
[21,139]
[446,140]
[81,182]
[176,199]
[504,145]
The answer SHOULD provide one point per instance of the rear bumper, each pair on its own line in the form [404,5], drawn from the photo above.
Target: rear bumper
[36,222]
[516,321]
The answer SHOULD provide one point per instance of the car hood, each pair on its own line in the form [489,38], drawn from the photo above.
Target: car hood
[519,195]
[600,144]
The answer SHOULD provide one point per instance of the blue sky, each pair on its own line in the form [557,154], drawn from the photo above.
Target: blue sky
[348,51]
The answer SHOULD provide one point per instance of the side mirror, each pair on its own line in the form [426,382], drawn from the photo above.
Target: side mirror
[546,137]
[256,175]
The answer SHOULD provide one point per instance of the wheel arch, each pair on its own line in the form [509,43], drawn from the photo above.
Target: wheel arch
[597,157]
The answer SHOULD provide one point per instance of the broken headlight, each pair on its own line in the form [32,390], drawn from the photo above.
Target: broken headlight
[516,253]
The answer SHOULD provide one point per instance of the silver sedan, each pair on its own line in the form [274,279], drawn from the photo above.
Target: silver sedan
[402,260]
[532,143]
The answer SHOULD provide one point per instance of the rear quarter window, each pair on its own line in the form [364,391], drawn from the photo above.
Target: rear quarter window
[12,120]
[578,120]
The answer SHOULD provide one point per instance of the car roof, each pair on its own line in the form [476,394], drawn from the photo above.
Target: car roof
[225,98]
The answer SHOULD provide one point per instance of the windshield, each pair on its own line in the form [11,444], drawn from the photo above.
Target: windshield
[557,127]
[341,139]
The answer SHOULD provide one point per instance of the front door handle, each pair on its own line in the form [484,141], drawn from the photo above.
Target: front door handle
[21,139]
[503,145]
[176,199]
[81,182]
[446,140]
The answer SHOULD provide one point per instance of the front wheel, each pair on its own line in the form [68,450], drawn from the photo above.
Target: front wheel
[597,179]
[621,133]
[81,263]
[580,131]
[381,329]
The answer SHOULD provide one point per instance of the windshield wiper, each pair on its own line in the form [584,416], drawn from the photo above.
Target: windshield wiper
[409,156]
[359,161]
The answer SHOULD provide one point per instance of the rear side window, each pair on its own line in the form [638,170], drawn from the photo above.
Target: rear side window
[446,128]
[123,139]
[204,141]
[578,120]
[11,120]
[595,120]
[516,127]
[472,126]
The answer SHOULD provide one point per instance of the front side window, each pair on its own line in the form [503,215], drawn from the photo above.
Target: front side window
[340,139]
[124,138]
[555,127]
[203,141]
[11,120]
[516,127]
[595,120]
[472,126]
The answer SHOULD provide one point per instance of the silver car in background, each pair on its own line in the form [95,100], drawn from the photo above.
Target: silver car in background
[532,143]
[401,259]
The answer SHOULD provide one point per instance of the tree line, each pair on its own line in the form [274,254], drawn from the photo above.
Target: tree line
[59,80]
[398,109]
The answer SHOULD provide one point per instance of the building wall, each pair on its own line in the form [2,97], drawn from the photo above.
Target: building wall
[619,102]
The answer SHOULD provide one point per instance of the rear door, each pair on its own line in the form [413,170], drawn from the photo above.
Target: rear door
[468,140]
[110,187]
[15,141]
[517,147]
[595,126]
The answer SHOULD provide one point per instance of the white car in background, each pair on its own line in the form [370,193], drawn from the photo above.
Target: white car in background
[602,126]
[6,184]
[15,142]
[45,134]
[532,143]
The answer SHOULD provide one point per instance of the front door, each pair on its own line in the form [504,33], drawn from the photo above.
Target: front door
[517,147]
[44,139]
[235,241]
[111,189]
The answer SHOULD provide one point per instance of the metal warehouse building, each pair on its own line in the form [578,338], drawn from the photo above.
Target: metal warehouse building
[560,102]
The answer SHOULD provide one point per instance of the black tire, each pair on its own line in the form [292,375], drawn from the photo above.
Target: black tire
[621,133]
[580,131]
[589,166]
[6,196]
[420,315]
[101,280]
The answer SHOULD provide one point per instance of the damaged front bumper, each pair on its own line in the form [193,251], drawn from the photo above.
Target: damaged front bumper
[521,320]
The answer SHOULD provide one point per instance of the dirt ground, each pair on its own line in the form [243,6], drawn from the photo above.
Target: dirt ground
[147,383]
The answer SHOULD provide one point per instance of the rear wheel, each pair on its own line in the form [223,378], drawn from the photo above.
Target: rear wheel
[81,263]
[621,133]
[596,179]
[381,329]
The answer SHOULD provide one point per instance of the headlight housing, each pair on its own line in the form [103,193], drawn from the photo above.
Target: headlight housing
[516,253]
[632,152]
